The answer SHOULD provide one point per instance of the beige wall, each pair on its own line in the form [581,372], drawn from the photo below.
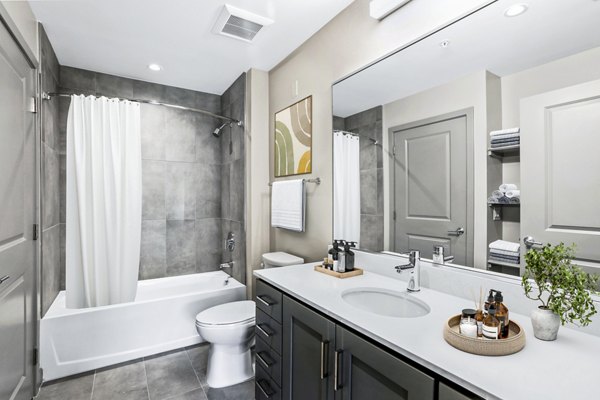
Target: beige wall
[347,43]
[23,23]
[257,171]
[477,91]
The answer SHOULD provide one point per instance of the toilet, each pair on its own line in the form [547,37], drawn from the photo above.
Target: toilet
[229,328]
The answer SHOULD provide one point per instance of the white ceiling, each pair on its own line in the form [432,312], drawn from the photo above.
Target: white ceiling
[487,40]
[121,37]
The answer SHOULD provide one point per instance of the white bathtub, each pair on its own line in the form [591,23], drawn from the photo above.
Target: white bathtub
[161,318]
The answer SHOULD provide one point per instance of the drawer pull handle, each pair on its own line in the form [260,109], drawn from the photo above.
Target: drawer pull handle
[263,331]
[267,391]
[324,352]
[260,357]
[4,278]
[265,300]
[336,374]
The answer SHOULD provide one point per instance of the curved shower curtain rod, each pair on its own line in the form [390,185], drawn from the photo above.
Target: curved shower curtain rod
[49,96]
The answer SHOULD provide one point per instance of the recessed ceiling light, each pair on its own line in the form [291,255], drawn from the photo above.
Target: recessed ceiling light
[154,67]
[444,43]
[515,10]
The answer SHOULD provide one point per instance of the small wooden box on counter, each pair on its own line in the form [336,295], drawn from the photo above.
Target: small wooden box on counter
[341,275]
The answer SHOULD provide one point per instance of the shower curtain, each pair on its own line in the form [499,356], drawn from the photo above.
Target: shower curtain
[346,187]
[104,201]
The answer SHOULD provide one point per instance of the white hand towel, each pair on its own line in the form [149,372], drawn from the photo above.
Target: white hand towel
[288,205]
[513,193]
[496,194]
[505,187]
[504,245]
[505,131]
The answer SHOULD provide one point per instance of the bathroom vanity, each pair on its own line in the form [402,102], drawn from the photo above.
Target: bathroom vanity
[314,343]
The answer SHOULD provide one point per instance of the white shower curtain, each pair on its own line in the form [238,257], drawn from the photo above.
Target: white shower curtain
[346,187]
[104,201]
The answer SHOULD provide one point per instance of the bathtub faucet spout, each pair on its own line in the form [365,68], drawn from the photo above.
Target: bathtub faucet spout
[230,266]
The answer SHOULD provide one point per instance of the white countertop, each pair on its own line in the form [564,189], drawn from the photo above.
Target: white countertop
[566,369]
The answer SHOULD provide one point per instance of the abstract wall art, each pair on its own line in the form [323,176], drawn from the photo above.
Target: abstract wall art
[293,139]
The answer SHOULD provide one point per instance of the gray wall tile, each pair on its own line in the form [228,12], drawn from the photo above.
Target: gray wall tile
[208,191]
[368,191]
[153,127]
[153,254]
[51,188]
[113,86]
[180,192]
[236,193]
[149,91]
[153,189]
[225,191]
[371,232]
[78,80]
[209,241]
[208,147]
[180,141]
[181,248]
[50,266]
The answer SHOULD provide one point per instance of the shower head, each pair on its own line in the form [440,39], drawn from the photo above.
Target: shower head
[217,132]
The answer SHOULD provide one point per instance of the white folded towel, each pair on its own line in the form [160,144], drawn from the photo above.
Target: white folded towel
[504,245]
[505,187]
[505,131]
[288,204]
[496,194]
[512,193]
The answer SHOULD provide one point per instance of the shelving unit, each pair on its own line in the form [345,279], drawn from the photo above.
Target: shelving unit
[497,209]
[504,264]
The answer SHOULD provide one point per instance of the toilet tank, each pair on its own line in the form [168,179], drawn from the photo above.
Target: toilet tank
[280,259]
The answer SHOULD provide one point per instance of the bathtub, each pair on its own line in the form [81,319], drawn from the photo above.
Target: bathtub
[161,318]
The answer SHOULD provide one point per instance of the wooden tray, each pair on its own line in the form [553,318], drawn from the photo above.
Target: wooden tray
[341,275]
[485,347]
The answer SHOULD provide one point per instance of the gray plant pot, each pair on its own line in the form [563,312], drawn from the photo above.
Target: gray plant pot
[545,323]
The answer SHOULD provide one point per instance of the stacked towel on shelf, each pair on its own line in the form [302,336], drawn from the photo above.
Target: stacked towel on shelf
[505,138]
[507,193]
[506,252]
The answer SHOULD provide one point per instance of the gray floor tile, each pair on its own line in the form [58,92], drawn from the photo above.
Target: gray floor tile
[170,375]
[197,394]
[242,391]
[72,388]
[125,381]
[199,357]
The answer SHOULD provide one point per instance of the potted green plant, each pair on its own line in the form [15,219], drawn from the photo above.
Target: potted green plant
[563,289]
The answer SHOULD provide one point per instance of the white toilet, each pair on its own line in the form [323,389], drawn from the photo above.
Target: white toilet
[229,328]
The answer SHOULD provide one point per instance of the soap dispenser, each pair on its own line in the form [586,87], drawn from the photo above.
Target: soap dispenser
[349,256]
[501,314]
[334,253]
[342,257]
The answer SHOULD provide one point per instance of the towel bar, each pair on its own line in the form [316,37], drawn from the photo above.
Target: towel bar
[316,180]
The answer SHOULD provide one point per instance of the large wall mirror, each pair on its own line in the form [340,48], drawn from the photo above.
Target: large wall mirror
[482,138]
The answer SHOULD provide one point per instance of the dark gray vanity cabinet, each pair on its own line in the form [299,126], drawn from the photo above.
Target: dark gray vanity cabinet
[366,370]
[308,343]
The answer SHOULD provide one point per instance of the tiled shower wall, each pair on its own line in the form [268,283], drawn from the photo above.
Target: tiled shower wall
[368,123]
[192,186]
[50,148]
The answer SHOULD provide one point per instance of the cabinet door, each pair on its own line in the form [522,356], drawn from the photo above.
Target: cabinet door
[308,343]
[366,372]
[448,393]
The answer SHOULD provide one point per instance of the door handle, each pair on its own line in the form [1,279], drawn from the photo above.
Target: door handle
[4,278]
[530,242]
[458,232]
[324,351]
[336,373]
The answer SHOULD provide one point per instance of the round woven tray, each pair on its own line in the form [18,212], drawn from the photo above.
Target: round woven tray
[485,347]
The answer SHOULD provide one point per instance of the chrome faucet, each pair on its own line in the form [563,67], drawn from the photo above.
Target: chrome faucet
[414,264]
[229,265]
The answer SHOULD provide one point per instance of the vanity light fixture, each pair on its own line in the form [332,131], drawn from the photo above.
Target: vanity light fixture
[516,10]
[154,67]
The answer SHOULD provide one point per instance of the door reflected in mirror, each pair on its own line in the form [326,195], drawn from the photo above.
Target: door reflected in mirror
[474,138]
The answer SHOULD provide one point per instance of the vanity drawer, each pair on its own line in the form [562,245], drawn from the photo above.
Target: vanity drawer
[268,330]
[268,299]
[265,388]
[269,360]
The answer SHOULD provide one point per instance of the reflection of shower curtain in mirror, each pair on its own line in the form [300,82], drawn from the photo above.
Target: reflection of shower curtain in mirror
[346,187]
[104,201]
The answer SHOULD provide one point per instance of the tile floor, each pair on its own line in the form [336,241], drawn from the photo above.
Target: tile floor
[175,375]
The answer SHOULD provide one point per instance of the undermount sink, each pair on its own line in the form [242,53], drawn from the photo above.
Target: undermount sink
[386,302]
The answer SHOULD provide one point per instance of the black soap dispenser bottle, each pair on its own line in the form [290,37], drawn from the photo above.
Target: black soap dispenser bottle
[334,255]
[349,255]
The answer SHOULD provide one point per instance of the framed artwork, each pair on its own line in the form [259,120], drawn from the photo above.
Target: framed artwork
[293,139]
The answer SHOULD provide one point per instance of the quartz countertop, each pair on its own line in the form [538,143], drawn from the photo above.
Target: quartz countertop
[563,369]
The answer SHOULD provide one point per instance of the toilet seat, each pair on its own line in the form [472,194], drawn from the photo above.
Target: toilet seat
[229,314]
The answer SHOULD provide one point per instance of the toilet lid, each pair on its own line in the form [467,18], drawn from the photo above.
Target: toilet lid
[228,313]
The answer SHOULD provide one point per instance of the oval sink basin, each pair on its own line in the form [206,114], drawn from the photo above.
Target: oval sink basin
[386,302]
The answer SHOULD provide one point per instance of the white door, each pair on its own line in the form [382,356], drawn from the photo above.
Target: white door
[560,169]
[17,210]
[431,189]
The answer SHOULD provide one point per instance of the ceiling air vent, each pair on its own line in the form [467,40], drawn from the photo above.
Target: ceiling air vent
[240,24]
